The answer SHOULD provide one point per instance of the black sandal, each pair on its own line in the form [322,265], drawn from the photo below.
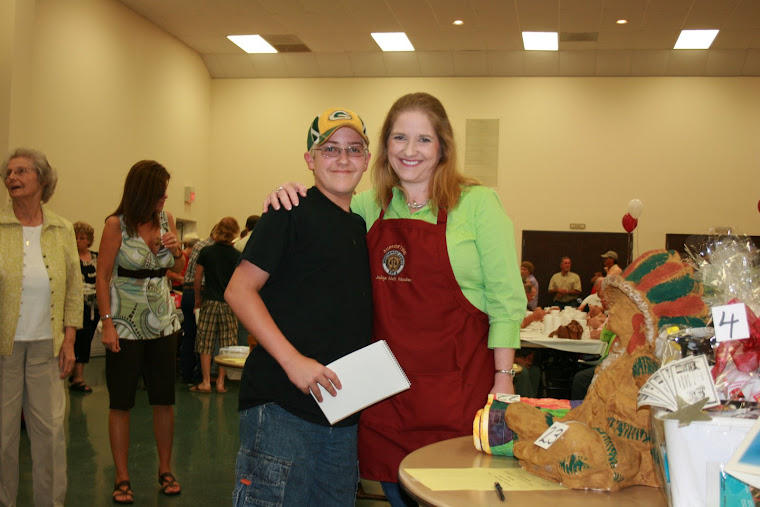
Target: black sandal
[124,488]
[81,387]
[167,480]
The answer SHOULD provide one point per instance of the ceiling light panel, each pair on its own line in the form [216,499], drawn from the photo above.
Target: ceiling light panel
[252,43]
[540,41]
[392,41]
[695,39]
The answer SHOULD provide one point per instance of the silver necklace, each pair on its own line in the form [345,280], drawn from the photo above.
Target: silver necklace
[414,205]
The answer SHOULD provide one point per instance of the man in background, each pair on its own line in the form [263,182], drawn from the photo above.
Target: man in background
[565,285]
[611,267]
[189,366]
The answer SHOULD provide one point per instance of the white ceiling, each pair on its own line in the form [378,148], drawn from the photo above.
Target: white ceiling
[488,44]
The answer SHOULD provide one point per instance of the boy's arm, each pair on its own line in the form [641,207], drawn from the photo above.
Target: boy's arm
[242,295]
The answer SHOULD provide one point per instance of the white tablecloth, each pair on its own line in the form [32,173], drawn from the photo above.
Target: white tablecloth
[530,338]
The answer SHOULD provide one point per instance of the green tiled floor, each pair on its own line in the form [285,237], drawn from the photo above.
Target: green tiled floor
[205,445]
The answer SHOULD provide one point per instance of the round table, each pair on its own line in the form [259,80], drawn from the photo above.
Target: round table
[460,453]
[233,364]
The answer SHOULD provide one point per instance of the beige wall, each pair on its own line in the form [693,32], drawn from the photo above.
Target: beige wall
[106,89]
[16,56]
[571,149]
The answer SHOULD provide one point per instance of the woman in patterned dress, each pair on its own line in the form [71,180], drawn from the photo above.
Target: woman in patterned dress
[139,244]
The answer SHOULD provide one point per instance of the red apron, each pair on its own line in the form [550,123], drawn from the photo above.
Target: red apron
[438,337]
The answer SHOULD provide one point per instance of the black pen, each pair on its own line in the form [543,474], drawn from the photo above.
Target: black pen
[499,491]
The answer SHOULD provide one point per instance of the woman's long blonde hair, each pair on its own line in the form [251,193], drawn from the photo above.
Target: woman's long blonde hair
[447,182]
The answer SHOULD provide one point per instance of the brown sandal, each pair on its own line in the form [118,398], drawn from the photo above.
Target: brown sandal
[122,489]
[167,480]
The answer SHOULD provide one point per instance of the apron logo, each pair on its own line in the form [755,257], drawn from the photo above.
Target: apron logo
[393,262]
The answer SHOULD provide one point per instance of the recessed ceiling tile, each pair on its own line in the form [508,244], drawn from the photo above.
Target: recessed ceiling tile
[578,46]
[496,17]
[666,15]
[470,63]
[341,41]
[725,62]
[234,66]
[214,66]
[655,39]
[752,63]
[579,15]
[334,65]
[577,63]
[416,16]
[705,14]
[506,63]
[613,63]
[538,15]
[503,41]
[616,39]
[268,65]
[466,39]
[211,44]
[301,64]
[368,64]
[746,16]
[363,16]
[431,40]
[436,63]
[649,63]
[402,63]
[541,63]
[732,39]
[687,62]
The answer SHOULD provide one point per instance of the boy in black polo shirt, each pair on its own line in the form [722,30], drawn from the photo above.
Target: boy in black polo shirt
[303,290]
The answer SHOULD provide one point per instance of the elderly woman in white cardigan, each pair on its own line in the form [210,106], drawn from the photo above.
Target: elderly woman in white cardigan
[40,310]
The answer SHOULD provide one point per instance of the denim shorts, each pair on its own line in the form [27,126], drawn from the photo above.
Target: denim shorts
[286,461]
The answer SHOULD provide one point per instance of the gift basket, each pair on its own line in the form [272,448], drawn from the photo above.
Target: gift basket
[695,438]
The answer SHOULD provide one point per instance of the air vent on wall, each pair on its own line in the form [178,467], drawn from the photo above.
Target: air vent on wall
[577,36]
[287,43]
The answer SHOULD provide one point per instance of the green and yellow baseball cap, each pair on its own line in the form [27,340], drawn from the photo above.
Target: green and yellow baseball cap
[327,123]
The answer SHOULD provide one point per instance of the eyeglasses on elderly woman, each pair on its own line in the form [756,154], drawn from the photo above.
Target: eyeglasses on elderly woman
[18,171]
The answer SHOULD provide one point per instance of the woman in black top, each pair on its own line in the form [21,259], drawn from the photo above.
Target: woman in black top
[85,235]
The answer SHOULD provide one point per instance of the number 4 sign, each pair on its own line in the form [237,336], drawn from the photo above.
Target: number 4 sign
[730,322]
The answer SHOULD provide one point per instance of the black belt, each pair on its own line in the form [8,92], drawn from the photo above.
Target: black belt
[141,273]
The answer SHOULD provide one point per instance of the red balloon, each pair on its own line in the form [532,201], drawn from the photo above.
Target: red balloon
[629,223]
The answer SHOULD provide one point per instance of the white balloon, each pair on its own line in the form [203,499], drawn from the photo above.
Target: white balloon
[635,207]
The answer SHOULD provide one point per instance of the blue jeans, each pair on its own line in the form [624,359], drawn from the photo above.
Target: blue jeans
[189,364]
[396,495]
[284,460]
